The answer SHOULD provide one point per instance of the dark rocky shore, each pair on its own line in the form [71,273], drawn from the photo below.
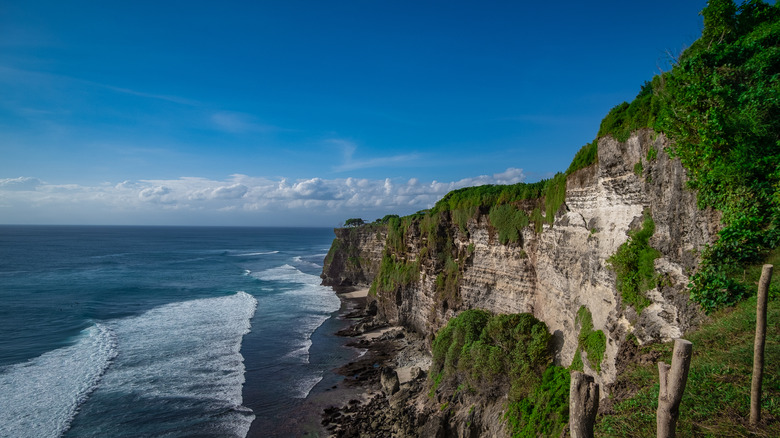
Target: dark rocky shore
[385,379]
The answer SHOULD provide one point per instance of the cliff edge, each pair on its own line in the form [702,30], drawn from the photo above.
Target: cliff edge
[553,272]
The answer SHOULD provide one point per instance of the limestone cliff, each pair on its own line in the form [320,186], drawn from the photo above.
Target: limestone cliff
[354,256]
[553,273]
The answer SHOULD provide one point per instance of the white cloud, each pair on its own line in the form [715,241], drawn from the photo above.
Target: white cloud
[192,197]
[234,191]
[20,184]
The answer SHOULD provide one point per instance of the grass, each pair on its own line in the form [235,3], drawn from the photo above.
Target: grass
[716,402]
[752,274]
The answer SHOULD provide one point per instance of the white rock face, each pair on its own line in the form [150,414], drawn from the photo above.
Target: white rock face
[553,273]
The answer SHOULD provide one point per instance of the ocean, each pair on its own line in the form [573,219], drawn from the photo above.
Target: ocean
[164,331]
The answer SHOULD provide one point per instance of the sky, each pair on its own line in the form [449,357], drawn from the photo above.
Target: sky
[305,113]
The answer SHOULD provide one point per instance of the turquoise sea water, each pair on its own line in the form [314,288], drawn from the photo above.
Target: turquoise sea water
[162,331]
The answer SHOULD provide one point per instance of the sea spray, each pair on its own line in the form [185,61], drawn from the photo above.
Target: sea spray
[41,396]
[180,362]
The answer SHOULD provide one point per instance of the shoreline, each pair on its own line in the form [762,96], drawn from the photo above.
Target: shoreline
[353,396]
[352,382]
[304,417]
[393,365]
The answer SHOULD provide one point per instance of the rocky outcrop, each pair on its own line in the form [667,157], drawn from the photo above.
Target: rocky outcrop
[354,256]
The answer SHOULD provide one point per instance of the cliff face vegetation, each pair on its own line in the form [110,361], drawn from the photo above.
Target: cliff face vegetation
[655,225]
[435,265]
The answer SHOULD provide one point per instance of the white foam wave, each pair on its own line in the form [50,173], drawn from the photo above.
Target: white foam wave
[315,302]
[300,260]
[287,274]
[251,254]
[304,386]
[301,353]
[41,396]
[182,357]
[181,340]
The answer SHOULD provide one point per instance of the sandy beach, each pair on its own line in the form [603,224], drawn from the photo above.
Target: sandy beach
[360,293]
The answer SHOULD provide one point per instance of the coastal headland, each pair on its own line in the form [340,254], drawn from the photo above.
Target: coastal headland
[656,231]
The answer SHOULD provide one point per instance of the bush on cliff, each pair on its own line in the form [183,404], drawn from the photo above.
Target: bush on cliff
[509,221]
[593,342]
[493,355]
[722,103]
[633,264]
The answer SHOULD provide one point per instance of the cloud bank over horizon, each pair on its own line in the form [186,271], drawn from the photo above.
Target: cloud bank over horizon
[236,200]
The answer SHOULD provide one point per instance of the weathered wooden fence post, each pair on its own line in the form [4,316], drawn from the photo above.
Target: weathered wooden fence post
[673,379]
[758,345]
[583,405]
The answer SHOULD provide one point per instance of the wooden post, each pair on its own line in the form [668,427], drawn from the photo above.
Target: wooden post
[673,379]
[583,405]
[758,345]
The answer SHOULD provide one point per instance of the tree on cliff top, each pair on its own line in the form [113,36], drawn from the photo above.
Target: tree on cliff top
[354,222]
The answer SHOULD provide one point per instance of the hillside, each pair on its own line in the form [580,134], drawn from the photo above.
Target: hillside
[653,233]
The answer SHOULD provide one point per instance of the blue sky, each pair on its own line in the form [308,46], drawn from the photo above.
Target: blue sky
[291,112]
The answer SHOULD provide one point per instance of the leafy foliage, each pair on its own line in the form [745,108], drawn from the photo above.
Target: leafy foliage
[633,265]
[497,354]
[720,104]
[545,412]
[354,222]
[586,156]
[509,221]
[386,218]
[723,100]
[396,269]
[626,118]
[593,342]
[394,274]
[461,217]
[447,282]
[638,168]
[549,192]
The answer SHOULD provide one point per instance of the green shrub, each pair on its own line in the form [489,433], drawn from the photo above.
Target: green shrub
[545,412]
[633,265]
[586,156]
[554,195]
[652,154]
[461,217]
[720,106]
[393,275]
[465,329]
[503,353]
[642,112]
[447,281]
[593,342]
[549,192]
[509,221]
[638,168]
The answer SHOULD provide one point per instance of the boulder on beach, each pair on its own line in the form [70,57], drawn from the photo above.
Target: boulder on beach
[388,378]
